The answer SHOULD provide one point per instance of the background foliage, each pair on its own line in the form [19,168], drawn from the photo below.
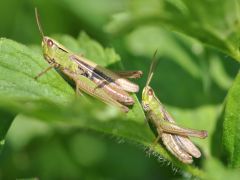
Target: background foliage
[44,129]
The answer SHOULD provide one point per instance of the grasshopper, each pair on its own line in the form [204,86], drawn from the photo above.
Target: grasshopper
[174,137]
[110,87]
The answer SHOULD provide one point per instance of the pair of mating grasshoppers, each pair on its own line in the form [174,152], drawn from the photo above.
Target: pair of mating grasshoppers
[113,88]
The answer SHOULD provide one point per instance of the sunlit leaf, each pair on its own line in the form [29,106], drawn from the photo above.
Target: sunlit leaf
[231,124]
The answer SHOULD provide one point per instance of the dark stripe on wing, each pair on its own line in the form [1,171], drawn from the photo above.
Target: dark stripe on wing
[94,72]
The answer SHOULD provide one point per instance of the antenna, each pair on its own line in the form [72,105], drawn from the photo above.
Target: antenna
[152,68]
[38,23]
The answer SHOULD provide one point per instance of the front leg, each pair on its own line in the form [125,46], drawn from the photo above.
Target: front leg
[45,71]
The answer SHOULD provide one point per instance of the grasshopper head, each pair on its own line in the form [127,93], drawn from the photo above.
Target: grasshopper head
[49,48]
[147,96]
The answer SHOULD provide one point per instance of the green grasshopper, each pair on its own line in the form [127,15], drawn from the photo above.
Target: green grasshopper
[109,87]
[174,137]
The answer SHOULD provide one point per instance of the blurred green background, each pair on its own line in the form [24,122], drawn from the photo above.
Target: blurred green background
[192,80]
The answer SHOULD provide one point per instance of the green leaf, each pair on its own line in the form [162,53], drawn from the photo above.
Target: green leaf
[52,99]
[130,128]
[219,29]
[231,124]
[18,67]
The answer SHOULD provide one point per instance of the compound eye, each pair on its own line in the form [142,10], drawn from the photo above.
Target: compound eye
[49,42]
[150,92]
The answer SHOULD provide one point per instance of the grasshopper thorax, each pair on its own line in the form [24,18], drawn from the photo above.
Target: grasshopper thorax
[147,96]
